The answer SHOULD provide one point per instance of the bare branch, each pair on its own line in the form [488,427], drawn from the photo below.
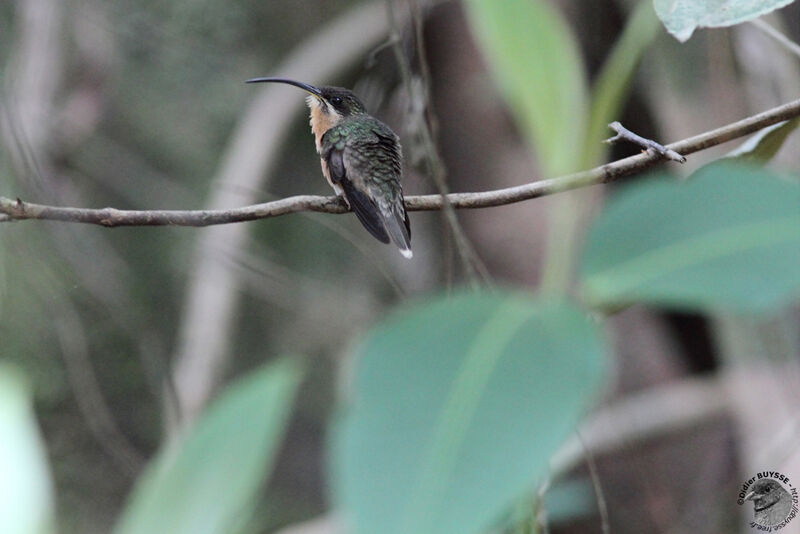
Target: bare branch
[18,210]
[623,134]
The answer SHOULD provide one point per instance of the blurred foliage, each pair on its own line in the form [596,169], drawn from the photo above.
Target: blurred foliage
[457,405]
[612,85]
[536,61]
[727,239]
[26,493]
[208,480]
[683,17]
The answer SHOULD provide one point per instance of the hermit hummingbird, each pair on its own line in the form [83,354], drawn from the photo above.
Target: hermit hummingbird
[361,159]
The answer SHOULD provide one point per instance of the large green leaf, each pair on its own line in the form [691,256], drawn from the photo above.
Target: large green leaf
[535,60]
[206,482]
[26,493]
[727,239]
[683,17]
[458,404]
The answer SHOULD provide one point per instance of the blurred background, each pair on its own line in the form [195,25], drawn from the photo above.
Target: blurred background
[125,334]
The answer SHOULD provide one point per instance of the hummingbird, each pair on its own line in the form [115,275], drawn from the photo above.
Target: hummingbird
[361,158]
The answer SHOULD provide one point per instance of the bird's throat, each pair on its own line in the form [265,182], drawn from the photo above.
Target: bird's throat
[321,121]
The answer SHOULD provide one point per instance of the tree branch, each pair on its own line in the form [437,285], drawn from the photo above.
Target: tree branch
[624,134]
[18,210]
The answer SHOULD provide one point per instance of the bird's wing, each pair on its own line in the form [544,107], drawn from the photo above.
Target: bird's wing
[385,169]
[334,147]
[391,146]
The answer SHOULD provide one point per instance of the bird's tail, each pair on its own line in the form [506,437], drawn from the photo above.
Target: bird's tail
[397,226]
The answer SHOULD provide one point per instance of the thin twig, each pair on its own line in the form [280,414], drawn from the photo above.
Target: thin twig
[602,506]
[372,57]
[606,173]
[787,43]
[433,160]
[623,134]
[92,405]
[424,69]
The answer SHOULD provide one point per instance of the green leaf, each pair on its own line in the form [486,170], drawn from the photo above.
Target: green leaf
[727,239]
[207,482]
[614,79]
[535,59]
[683,17]
[764,145]
[458,405]
[26,491]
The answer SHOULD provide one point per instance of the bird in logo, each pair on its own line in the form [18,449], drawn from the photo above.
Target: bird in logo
[361,159]
[771,501]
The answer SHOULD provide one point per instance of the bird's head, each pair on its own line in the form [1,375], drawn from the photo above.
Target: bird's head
[329,105]
[765,493]
[336,102]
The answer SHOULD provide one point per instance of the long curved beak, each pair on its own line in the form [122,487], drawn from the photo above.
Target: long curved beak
[304,86]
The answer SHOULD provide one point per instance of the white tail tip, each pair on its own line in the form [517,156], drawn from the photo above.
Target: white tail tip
[406,252]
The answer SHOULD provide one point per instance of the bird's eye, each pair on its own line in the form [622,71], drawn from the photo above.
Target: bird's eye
[767,489]
[336,100]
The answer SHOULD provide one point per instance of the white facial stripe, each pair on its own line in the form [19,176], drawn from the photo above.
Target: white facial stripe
[323,106]
[312,101]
